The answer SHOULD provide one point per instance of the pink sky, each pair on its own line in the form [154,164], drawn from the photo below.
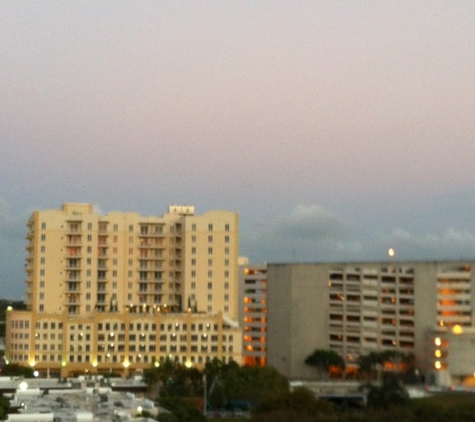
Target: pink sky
[361,112]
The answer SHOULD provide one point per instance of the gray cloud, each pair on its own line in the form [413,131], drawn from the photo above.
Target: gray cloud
[312,233]
[12,251]
[450,243]
[311,222]
[307,233]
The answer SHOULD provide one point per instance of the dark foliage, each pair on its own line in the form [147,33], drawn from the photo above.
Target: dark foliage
[322,360]
[389,394]
[15,370]
[299,405]
[4,407]
[182,409]
[374,362]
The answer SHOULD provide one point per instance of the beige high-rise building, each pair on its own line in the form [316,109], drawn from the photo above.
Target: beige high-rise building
[120,291]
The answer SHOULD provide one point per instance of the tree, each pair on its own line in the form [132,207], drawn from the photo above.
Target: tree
[390,393]
[299,405]
[374,362]
[173,379]
[323,360]
[182,409]
[229,383]
[14,369]
[4,407]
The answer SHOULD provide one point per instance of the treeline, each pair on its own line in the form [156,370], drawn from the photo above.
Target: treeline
[266,395]
[219,387]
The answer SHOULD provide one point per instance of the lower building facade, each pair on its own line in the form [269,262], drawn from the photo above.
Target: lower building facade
[417,308]
[121,343]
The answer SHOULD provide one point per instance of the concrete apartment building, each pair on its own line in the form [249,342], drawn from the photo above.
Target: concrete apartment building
[253,311]
[423,308]
[119,292]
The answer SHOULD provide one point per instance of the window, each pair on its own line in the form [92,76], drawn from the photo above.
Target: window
[210,227]
[193,239]
[43,237]
[226,227]
[193,285]
[193,273]
[193,227]
[43,226]
[210,239]
[226,239]
[210,251]
[210,285]
[210,262]
[193,262]
[193,250]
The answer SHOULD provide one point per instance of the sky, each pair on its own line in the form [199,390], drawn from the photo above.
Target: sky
[336,129]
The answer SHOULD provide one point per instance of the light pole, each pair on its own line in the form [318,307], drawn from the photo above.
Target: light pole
[205,404]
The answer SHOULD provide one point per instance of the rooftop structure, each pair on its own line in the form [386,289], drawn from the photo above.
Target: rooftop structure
[76,400]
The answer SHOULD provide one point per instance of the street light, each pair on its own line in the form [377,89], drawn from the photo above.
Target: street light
[205,404]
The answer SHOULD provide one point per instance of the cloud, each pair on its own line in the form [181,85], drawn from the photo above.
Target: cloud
[310,233]
[12,251]
[310,223]
[307,233]
[449,243]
